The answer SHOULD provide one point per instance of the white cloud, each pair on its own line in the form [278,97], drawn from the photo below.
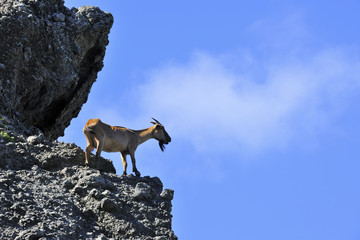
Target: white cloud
[251,100]
[215,106]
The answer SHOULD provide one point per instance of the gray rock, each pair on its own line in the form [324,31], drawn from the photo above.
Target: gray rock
[47,79]
[30,234]
[108,205]
[93,180]
[102,237]
[34,205]
[160,238]
[142,191]
[58,17]
[168,194]
[94,193]
[36,139]
[67,184]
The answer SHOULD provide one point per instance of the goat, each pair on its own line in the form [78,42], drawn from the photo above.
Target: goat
[108,138]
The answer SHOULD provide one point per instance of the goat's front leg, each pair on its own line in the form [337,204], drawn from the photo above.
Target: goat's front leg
[123,158]
[137,173]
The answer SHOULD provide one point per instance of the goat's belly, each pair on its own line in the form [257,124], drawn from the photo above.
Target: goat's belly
[113,146]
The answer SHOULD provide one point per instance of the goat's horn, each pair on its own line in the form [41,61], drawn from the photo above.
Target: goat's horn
[156,121]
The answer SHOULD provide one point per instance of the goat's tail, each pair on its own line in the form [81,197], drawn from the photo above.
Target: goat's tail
[90,134]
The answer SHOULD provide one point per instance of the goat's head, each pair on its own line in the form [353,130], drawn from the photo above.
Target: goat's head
[160,134]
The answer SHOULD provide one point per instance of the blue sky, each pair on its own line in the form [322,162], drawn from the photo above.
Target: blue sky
[261,101]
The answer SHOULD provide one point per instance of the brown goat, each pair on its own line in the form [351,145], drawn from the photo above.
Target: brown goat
[108,138]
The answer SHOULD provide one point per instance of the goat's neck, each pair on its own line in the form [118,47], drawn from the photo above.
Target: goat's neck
[145,135]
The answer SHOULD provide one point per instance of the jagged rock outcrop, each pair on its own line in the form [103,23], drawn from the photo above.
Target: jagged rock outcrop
[26,147]
[49,59]
[78,203]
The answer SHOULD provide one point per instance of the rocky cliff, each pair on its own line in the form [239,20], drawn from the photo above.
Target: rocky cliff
[82,204]
[49,59]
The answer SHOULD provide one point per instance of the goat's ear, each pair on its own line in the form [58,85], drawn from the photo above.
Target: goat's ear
[153,123]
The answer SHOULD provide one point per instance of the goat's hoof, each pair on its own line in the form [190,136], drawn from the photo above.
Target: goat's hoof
[124,173]
[137,174]
[86,165]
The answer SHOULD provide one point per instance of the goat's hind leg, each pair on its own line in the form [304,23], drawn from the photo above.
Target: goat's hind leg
[99,148]
[88,150]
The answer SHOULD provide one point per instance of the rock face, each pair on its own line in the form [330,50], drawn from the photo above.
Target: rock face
[49,59]
[75,203]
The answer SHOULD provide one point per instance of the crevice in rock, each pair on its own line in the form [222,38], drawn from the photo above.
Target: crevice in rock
[50,114]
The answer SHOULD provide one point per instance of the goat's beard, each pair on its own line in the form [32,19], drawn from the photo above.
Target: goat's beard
[162,145]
